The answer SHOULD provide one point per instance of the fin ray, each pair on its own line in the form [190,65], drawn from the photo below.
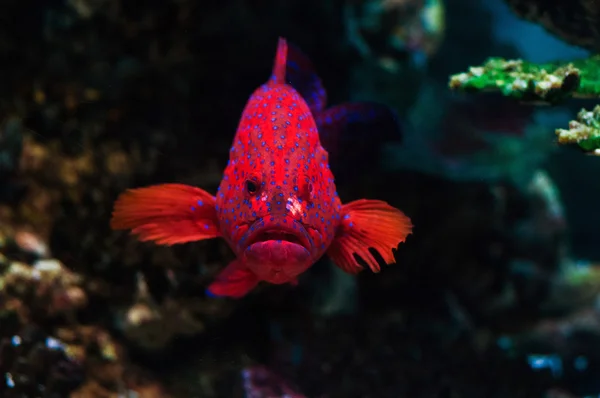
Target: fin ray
[234,281]
[368,224]
[301,74]
[278,76]
[167,214]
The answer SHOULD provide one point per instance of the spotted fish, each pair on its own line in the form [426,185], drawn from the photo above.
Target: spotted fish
[277,205]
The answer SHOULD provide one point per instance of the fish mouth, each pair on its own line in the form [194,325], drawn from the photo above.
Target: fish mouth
[279,250]
[280,232]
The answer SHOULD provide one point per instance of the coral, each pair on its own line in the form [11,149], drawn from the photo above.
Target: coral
[43,286]
[528,82]
[584,131]
[43,348]
[549,83]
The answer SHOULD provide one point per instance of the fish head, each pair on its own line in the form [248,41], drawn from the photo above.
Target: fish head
[279,202]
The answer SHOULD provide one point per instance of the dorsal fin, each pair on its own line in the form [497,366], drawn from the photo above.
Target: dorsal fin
[357,129]
[300,74]
[279,67]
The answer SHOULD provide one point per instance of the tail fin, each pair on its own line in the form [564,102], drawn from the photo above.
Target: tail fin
[278,75]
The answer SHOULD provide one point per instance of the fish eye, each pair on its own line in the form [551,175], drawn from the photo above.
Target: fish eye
[251,187]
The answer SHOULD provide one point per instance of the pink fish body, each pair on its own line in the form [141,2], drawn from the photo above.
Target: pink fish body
[277,205]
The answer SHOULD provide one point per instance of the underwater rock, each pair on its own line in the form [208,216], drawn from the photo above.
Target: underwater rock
[576,285]
[261,382]
[393,41]
[40,288]
[390,31]
[109,373]
[397,354]
[565,348]
[558,393]
[334,292]
[34,364]
[11,145]
[517,235]
[44,349]
[153,326]
[576,22]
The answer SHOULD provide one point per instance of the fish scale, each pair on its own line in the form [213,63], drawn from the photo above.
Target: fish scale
[277,143]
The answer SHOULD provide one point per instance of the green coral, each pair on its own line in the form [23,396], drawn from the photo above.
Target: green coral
[585,131]
[548,83]
[538,83]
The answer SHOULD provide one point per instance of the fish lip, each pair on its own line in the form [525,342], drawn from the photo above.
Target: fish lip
[300,233]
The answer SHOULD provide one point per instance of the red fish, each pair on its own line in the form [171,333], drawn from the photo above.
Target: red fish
[277,205]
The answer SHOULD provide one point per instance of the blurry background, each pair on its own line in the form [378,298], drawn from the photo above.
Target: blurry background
[494,295]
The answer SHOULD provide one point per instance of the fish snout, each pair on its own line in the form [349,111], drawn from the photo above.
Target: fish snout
[278,203]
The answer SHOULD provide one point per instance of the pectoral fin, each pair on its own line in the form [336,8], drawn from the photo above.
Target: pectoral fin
[167,214]
[368,224]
